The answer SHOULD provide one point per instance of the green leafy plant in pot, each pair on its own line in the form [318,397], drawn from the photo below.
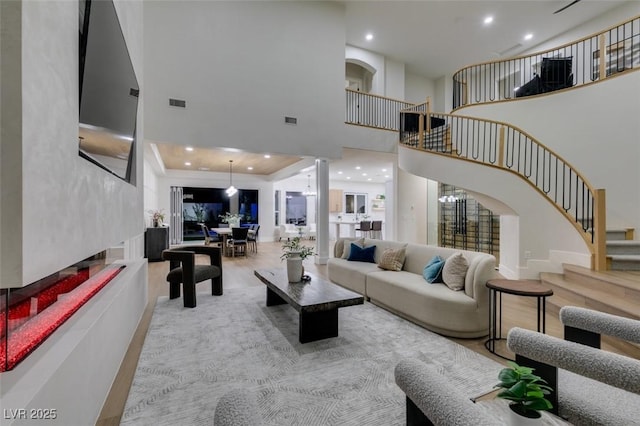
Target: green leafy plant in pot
[525,390]
[295,253]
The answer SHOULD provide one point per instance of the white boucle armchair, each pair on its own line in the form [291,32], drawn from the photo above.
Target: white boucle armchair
[593,386]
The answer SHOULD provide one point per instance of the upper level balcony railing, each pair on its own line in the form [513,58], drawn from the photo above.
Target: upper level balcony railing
[364,109]
[573,64]
[497,144]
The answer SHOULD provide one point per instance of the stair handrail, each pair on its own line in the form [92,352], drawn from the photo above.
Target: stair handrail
[375,111]
[503,146]
[500,80]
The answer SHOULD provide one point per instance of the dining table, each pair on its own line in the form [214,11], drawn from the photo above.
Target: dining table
[225,233]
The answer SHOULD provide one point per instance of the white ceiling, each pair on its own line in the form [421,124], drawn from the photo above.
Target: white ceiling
[437,37]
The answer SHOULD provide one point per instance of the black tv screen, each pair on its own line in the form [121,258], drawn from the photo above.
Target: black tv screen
[108,91]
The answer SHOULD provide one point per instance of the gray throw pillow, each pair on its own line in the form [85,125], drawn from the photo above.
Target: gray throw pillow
[455,271]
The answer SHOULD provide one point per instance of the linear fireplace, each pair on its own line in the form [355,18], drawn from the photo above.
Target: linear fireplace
[30,314]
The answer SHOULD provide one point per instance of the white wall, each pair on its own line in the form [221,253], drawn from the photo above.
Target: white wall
[411,208]
[417,88]
[71,209]
[242,67]
[394,75]
[595,128]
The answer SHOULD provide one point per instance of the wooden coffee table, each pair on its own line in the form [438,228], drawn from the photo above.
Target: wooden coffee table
[317,302]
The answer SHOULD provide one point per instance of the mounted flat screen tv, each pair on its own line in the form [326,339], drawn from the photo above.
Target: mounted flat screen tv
[108,91]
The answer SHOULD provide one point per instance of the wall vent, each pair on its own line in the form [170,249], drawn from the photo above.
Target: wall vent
[177,103]
[291,120]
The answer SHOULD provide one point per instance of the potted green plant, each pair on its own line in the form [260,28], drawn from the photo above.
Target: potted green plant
[525,390]
[295,252]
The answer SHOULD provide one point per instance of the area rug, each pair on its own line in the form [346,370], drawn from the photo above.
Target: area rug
[191,357]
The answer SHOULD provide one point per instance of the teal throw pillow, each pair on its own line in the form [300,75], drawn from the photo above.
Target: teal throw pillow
[362,254]
[432,272]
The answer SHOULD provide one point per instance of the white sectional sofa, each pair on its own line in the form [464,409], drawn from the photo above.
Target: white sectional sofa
[406,293]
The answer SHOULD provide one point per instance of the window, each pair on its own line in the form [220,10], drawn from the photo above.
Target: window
[355,203]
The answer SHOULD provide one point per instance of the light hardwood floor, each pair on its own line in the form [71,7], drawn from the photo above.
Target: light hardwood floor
[238,272]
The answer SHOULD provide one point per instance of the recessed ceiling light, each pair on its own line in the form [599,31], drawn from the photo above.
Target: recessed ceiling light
[369,179]
[357,167]
[528,36]
[186,163]
[267,156]
[348,177]
[387,176]
[488,20]
[384,170]
[189,148]
[249,168]
[364,174]
[340,172]
[369,37]
[203,168]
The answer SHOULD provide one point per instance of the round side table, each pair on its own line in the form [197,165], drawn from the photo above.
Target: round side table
[526,288]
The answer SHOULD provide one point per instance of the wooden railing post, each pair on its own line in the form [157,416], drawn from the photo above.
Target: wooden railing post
[420,130]
[602,66]
[428,114]
[600,231]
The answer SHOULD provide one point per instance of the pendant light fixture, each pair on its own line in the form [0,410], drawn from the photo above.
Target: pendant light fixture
[231,190]
[309,192]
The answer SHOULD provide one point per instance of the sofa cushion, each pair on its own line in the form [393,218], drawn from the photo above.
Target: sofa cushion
[351,275]
[454,271]
[362,254]
[432,272]
[391,259]
[347,247]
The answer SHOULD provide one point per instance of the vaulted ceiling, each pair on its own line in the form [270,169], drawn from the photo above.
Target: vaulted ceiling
[433,38]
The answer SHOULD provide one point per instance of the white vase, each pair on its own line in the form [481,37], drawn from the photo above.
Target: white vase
[516,419]
[234,223]
[294,269]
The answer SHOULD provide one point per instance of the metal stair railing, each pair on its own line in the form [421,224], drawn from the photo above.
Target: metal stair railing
[500,145]
[378,112]
[574,64]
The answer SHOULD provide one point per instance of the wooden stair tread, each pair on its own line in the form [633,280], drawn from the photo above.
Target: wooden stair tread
[628,279]
[601,296]
[624,256]
[623,243]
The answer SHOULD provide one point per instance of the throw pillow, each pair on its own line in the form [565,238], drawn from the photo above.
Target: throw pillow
[432,272]
[359,254]
[455,271]
[392,260]
[347,247]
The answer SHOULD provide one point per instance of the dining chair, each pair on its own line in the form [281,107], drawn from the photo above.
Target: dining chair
[376,229]
[252,237]
[365,228]
[209,236]
[238,241]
